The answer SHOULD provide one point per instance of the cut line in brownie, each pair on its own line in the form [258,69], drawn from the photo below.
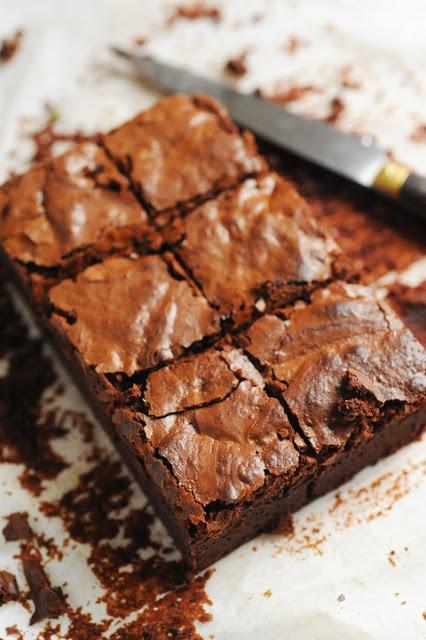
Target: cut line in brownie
[341,364]
[182,150]
[69,211]
[253,248]
[220,433]
[130,313]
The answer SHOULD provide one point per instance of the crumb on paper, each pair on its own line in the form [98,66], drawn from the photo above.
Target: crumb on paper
[293,44]
[341,598]
[140,40]
[424,615]
[267,593]
[290,94]
[9,46]
[392,557]
[196,11]
[236,66]
[336,108]
[346,79]
[419,134]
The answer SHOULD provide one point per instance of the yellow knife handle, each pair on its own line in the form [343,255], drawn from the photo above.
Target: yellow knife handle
[396,180]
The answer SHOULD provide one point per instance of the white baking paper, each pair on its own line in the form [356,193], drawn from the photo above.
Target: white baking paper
[355,568]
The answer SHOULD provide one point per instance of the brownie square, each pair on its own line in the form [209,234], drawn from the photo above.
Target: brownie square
[181,150]
[130,313]
[254,247]
[77,203]
[343,365]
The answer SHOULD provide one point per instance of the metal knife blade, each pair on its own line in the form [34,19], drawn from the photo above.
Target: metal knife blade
[320,143]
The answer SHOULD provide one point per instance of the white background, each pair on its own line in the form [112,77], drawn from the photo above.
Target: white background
[64,61]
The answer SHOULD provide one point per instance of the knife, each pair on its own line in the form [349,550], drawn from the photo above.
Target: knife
[355,159]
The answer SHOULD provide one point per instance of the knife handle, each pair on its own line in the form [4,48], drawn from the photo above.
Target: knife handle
[408,188]
[413,194]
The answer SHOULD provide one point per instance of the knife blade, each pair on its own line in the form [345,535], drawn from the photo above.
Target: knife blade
[355,159]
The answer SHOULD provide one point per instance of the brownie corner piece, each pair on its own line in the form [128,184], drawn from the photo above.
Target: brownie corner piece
[181,150]
[254,247]
[70,210]
[131,313]
[344,364]
[215,452]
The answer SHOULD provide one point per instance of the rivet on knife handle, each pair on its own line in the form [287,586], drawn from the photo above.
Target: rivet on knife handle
[397,181]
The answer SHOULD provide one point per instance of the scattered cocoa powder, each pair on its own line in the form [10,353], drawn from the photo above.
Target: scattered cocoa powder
[419,133]
[9,46]
[236,66]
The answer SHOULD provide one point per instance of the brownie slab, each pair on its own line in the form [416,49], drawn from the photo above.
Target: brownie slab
[127,314]
[234,372]
[182,149]
[76,203]
[254,247]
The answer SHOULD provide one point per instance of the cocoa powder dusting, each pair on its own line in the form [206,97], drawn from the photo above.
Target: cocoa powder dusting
[138,573]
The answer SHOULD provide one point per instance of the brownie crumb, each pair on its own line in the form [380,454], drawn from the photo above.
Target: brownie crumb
[391,557]
[419,133]
[424,615]
[17,527]
[196,11]
[341,598]
[45,138]
[293,44]
[48,601]
[346,79]
[9,590]
[267,593]
[292,94]
[9,46]
[236,66]
[14,632]
[140,40]
[336,108]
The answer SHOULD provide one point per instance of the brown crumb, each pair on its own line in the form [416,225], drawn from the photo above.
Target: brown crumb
[9,590]
[292,94]
[337,107]
[17,528]
[293,44]
[14,632]
[9,46]
[140,40]
[196,11]
[45,138]
[267,593]
[236,66]
[391,557]
[346,80]
[419,133]
[341,598]
[424,615]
